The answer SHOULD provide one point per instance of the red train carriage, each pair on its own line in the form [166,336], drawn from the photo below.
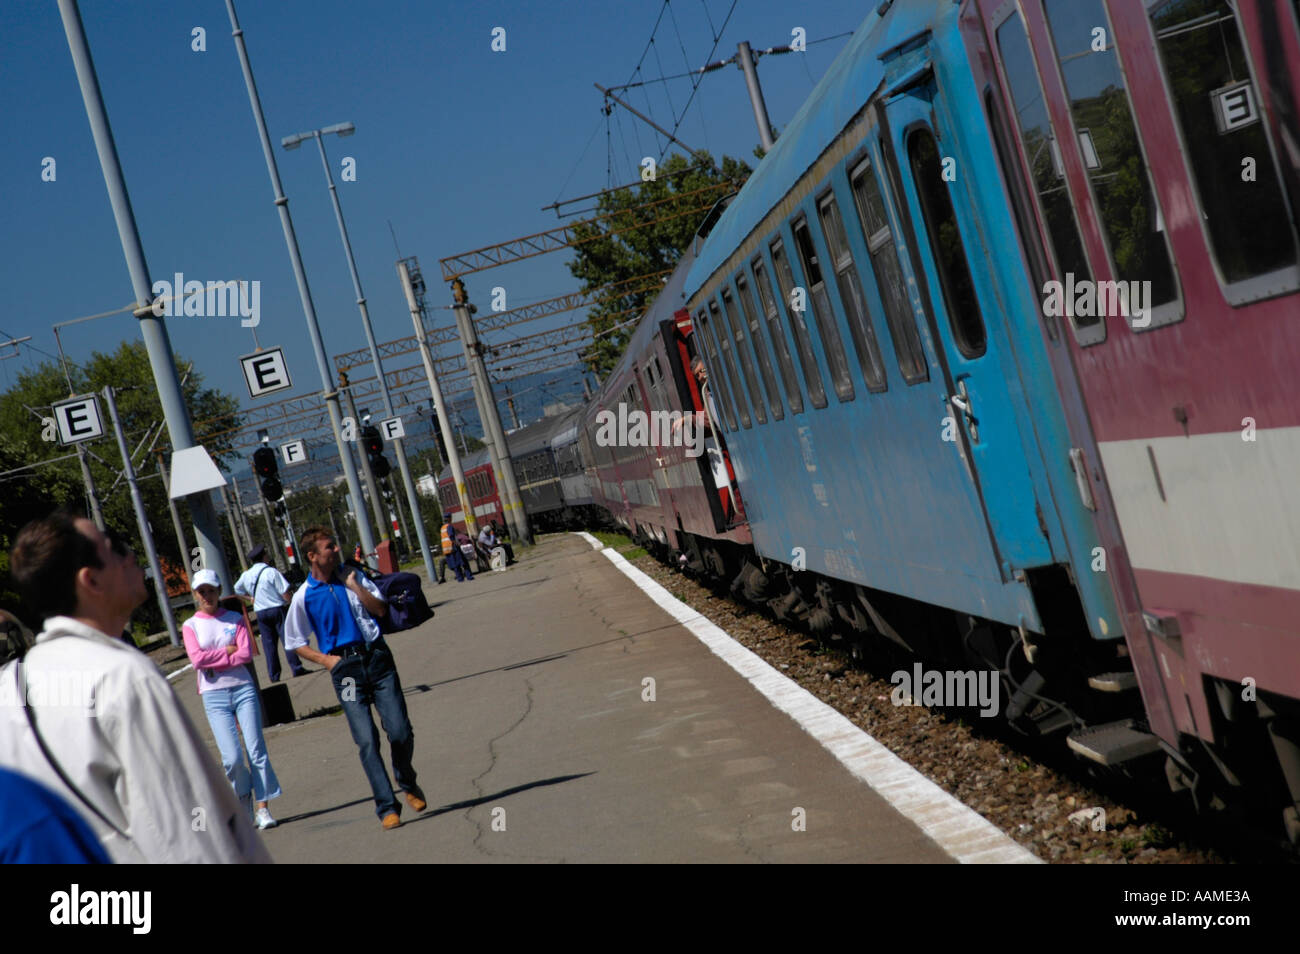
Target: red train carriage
[674,485]
[1157,143]
[480,485]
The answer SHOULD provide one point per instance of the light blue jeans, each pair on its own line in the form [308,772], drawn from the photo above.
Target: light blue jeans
[224,707]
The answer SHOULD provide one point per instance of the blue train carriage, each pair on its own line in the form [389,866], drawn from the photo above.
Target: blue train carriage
[893,419]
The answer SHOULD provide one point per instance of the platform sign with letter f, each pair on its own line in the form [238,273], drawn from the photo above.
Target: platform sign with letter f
[294,452]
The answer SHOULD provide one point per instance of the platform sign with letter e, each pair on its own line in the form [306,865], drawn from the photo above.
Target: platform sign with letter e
[391,428]
[265,372]
[294,452]
[78,419]
[1234,106]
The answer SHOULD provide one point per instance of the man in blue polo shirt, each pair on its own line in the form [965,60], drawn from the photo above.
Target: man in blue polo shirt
[340,611]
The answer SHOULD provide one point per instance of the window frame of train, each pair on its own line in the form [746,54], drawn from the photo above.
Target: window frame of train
[727,363]
[714,364]
[882,245]
[819,303]
[758,340]
[747,369]
[934,197]
[1023,181]
[726,376]
[1171,310]
[1244,224]
[848,282]
[812,374]
[784,360]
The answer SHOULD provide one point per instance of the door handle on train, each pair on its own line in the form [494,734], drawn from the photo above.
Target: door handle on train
[962,401]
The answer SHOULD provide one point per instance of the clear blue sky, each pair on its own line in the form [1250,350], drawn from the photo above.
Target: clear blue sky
[457,145]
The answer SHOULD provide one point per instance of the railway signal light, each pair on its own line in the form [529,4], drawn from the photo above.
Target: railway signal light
[373,442]
[267,470]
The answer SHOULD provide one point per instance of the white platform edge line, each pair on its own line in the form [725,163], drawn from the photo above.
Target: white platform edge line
[173,675]
[595,544]
[975,840]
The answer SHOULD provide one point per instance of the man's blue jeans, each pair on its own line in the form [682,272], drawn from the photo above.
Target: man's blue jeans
[371,678]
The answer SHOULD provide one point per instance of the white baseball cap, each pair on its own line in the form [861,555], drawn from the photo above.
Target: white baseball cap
[205,578]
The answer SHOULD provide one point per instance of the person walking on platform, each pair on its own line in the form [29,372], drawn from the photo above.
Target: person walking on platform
[339,610]
[220,646]
[451,554]
[128,754]
[269,591]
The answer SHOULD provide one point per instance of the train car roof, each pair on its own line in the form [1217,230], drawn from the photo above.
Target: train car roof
[467,463]
[847,86]
[670,298]
[536,436]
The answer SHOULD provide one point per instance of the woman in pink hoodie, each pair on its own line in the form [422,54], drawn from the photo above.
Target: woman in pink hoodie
[219,644]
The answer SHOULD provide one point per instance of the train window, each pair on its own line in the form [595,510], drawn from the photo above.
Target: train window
[1043,157]
[1218,110]
[732,375]
[717,384]
[746,361]
[757,339]
[889,277]
[783,360]
[852,296]
[945,241]
[802,340]
[836,360]
[1108,142]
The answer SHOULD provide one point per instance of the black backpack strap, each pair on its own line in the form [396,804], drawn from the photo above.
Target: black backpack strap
[49,756]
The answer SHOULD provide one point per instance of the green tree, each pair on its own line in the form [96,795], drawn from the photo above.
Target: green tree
[52,482]
[613,250]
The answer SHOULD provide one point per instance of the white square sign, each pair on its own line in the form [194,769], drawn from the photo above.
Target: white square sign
[392,428]
[294,452]
[78,420]
[265,372]
[1234,106]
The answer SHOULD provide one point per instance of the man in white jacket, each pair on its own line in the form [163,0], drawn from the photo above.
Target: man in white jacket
[101,726]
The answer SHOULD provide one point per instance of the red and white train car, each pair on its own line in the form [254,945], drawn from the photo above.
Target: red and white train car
[1157,142]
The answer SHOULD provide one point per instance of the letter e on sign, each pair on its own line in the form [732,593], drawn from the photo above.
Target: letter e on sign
[294,452]
[1234,106]
[78,420]
[265,372]
[392,428]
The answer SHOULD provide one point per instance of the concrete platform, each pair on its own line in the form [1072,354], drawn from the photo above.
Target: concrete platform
[526,693]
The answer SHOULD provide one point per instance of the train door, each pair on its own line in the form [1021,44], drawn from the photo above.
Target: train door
[983,394]
[714,464]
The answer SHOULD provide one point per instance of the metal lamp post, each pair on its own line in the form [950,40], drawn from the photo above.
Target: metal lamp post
[347,129]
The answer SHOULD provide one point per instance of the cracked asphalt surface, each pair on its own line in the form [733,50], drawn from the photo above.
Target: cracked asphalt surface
[560,716]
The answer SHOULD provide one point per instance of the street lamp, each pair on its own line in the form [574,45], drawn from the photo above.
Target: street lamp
[347,129]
